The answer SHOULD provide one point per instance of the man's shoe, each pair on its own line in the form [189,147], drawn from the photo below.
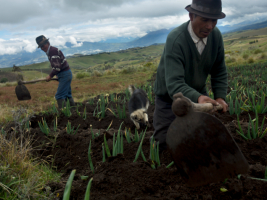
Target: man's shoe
[61,103]
[72,103]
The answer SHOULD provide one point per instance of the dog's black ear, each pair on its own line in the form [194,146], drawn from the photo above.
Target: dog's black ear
[131,89]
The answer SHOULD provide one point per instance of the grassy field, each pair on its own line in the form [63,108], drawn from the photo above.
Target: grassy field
[242,47]
[247,33]
[124,57]
[108,73]
[43,93]
[245,47]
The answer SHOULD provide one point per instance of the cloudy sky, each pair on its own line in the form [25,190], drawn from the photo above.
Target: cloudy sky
[76,21]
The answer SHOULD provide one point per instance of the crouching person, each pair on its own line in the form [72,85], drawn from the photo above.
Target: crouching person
[60,67]
[192,51]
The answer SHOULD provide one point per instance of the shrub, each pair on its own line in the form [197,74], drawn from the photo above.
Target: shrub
[143,69]
[11,84]
[128,70]
[81,75]
[4,80]
[230,60]
[245,56]
[20,176]
[153,67]
[114,71]
[149,64]
[257,51]
[108,72]
[263,55]
[97,73]
[250,60]
[227,56]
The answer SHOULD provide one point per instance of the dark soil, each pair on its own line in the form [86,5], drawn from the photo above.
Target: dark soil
[119,178]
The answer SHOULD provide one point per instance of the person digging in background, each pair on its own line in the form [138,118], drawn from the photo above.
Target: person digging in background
[60,67]
[192,51]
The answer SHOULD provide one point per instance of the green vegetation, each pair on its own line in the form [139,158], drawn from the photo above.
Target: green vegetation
[81,75]
[154,153]
[20,176]
[70,130]
[108,73]
[44,127]
[245,47]
[67,190]
[3,80]
[254,131]
[104,61]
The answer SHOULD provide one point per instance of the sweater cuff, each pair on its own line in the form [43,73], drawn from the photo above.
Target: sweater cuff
[195,96]
[219,95]
[52,74]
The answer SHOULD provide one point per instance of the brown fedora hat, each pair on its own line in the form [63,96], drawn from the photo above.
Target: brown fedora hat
[211,9]
[41,40]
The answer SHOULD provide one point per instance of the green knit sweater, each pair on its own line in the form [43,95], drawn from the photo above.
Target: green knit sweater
[183,69]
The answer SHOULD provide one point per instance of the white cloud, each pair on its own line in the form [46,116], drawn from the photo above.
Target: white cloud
[29,46]
[58,41]
[21,21]
[74,42]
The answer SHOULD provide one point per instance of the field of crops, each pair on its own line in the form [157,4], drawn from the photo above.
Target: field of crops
[73,145]
[100,143]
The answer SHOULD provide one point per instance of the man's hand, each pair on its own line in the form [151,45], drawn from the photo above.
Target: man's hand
[223,103]
[205,99]
[48,78]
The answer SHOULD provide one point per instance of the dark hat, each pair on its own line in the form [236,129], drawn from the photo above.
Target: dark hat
[211,9]
[41,40]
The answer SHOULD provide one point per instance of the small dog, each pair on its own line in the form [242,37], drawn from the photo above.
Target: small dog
[138,106]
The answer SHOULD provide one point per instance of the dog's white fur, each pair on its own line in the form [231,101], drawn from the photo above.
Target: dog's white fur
[138,106]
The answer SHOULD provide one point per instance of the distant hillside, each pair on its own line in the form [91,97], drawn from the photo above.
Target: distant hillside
[245,33]
[153,37]
[120,59]
[251,27]
[239,26]
[88,48]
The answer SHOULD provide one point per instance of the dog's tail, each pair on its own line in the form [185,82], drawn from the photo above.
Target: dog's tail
[131,89]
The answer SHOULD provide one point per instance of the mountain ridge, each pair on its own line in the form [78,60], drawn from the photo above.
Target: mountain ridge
[153,37]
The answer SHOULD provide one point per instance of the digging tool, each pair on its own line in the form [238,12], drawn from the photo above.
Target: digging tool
[202,148]
[21,90]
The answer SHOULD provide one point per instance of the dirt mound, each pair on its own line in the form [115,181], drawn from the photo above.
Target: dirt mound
[121,178]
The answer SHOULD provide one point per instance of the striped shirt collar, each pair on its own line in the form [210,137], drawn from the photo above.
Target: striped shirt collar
[194,36]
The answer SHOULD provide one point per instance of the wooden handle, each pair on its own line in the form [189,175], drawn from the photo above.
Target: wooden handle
[43,79]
